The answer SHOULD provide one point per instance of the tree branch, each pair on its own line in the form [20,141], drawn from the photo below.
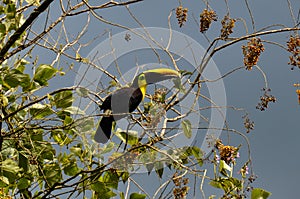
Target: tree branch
[24,26]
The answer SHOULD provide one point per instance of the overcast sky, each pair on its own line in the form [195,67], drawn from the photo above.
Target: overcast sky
[274,141]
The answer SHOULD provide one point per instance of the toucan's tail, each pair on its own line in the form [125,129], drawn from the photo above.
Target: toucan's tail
[104,130]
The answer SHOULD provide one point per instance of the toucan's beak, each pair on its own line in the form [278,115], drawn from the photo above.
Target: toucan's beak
[160,74]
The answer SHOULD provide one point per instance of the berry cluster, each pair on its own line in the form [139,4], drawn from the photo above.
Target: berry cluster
[227,26]
[248,124]
[252,52]
[206,17]
[294,47]
[265,99]
[180,190]
[181,15]
[227,153]
[159,95]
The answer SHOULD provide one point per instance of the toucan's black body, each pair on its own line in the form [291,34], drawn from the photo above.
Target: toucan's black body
[126,100]
[122,102]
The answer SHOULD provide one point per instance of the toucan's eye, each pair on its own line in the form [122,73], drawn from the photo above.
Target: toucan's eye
[142,77]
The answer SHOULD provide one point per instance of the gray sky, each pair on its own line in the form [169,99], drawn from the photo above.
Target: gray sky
[274,141]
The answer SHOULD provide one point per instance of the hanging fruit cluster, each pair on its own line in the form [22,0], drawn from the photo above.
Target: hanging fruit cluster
[265,99]
[227,153]
[227,26]
[181,188]
[252,52]
[181,15]
[248,124]
[294,48]
[206,17]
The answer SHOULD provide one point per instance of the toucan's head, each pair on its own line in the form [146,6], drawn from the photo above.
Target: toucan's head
[153,76]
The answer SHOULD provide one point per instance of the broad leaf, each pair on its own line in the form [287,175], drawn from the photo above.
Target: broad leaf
[258,193]
[43,73]
[223,167]
[129,136]
[187,128]
[159,168]
[4,182]
[137,196]
[74,110]
[82,92]
[39,111]
[63,99]
[15,78]
[23,183]
[110,179]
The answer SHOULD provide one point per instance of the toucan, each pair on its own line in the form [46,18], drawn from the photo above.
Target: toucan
[125,100]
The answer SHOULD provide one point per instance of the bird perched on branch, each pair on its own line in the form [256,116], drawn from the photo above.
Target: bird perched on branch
[125,100]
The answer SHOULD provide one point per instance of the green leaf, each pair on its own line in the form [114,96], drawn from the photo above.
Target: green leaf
[4,182]
[40,111]
[122,196]
[137,196]
[2,29]
[124,176]
[3,101]
[60,137]
[178,85]
[10,11]
[47,153]
[52,174]
[15,78]
[37,135]
[35,2]
[198,154]
[102,191]
[216,184]
[130,136]
[149,167]
[84,124]
[76,150]
[227,184]
[82,92]
[223,167]
[63,99]
[159,168]
[187,128]
[44,73]
[20,64]
[74,110]
[23,162]
[71,169]
[111,179]
[23,183]
[258,193]
[99,187]
[10,166]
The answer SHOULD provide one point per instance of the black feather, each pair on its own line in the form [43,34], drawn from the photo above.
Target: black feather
[121,103]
